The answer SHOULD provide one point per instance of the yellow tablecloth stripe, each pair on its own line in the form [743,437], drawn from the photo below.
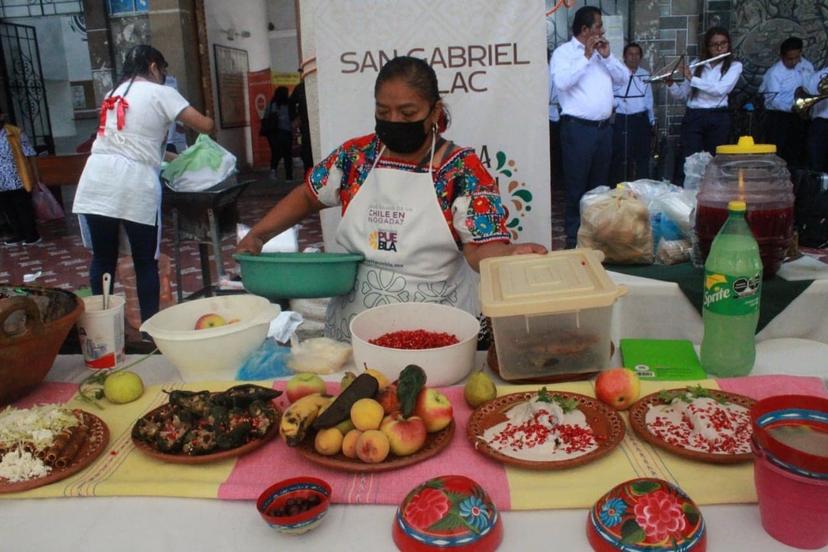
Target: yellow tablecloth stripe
[122,469]
[580,487]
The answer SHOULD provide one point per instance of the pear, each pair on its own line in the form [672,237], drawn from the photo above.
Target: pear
[346,380]
[479,389]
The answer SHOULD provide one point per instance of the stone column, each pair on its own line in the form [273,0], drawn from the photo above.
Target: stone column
[100,46]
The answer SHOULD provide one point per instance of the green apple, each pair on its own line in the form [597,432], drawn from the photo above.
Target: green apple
[123,387]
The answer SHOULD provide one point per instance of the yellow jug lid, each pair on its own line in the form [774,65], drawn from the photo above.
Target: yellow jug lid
[745,146]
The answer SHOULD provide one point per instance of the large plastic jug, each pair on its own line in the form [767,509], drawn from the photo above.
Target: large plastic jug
[754,174]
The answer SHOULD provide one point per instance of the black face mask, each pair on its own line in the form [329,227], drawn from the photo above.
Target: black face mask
[401,137]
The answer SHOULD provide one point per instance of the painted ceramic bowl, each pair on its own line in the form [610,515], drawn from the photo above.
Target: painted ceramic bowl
[447,512]
[295,506]
[646,515]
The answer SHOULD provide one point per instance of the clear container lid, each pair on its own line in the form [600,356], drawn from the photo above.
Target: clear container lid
[561,281]
[748,172]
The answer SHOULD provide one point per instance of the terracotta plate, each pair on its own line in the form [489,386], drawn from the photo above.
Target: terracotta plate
[638,416]
[147,449]
[435,443]
[604,421]
[97,438]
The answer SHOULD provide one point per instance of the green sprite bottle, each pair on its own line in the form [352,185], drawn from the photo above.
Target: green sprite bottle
[732,288]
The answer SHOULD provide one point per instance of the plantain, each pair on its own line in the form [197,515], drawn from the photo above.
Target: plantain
[364,386]
[299,416]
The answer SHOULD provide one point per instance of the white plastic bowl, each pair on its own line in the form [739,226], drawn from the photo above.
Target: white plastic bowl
[211,353]
[443,366]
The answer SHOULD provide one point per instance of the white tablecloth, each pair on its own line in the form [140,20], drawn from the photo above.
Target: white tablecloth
[125,524]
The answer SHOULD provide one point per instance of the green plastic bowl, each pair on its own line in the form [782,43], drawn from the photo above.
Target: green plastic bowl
[299,275]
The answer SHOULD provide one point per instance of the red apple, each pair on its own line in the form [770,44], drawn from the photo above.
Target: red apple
[405,435]
[618,387]
[434,408]
[388,399]
[303,383]
[209,320]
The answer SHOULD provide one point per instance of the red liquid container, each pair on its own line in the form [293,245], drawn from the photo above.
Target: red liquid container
[751,173]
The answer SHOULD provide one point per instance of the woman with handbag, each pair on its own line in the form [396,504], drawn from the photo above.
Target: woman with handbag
[18,177]
[120,185]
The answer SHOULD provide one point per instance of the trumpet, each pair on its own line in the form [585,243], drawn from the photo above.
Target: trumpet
[803,104]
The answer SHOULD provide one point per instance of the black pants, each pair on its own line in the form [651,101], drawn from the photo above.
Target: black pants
[281,148]
[787,131]
[586,151]
[143,240]
[630,147]
[818,145]
[703,130]
[17,206]
[555,171]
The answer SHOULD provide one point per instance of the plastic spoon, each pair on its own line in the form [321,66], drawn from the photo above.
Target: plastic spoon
[107,279]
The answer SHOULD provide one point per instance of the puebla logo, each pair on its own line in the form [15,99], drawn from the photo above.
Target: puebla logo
[383,240]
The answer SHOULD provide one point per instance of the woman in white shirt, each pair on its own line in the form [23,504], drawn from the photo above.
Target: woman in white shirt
[707,121]
[119,185]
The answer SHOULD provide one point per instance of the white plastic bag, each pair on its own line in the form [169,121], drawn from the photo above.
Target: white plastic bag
[199,167]
[617,223]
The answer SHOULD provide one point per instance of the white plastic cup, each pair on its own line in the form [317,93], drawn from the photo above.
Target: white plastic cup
[102,332]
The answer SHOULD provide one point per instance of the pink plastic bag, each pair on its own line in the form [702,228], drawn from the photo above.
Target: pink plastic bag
[46,207]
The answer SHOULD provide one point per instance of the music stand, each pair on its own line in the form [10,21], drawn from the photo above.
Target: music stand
[627,96]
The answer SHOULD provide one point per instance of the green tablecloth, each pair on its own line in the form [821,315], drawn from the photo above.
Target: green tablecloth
[776,292]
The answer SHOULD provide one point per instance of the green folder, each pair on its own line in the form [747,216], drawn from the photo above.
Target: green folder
[662,359]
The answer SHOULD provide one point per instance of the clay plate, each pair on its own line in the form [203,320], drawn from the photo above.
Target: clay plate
[147,449]
[638,416]
[604,421]
[96,441]
[435,443]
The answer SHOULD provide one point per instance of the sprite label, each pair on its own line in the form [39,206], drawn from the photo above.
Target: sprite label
[732,295]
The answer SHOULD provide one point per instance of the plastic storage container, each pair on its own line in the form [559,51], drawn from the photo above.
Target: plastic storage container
[751,173]
[550,313]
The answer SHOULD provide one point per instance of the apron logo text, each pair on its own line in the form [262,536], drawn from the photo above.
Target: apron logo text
[383,240]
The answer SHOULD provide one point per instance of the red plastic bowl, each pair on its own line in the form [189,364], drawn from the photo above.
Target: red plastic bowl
[275,496]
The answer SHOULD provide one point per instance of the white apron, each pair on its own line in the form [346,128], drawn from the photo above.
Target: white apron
[396,222]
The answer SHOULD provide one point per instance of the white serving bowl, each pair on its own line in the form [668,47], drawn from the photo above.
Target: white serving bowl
[443,366]
[211,353]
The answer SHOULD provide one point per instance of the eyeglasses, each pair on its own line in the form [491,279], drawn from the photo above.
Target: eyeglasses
[718,44]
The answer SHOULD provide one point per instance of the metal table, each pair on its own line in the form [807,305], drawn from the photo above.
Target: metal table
[203,217]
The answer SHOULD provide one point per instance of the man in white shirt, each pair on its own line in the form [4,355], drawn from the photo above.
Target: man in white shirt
[634,121]
[583,72]
[818,132]
[781,126]
[554,136]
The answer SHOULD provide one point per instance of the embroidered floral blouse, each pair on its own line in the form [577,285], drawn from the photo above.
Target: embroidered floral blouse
[467,194]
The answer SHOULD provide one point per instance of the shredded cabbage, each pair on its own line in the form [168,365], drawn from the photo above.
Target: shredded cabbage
[36,426]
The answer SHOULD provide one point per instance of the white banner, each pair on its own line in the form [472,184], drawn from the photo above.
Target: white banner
[490,60]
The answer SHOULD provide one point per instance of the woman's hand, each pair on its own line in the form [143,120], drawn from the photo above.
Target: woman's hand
[250,244]
[475,253]
[528,248]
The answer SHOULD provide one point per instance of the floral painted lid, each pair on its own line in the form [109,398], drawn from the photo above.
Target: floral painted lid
[646,515]
[450,511]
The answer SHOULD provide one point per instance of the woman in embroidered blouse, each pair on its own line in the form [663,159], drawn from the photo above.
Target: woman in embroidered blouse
[119,185]
[422,210]
[706,123]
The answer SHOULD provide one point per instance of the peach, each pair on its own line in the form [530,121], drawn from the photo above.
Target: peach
[618,387]
[303,383]
[434,408]
[405,435]
[372,446]
[388,399]
[366,414]
[349,443]
[328,441]
[209,320]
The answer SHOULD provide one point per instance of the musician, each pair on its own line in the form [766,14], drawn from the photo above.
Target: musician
[707,121]
[634,121]
[554,137]
[781,125]
[584,71]
[818,132]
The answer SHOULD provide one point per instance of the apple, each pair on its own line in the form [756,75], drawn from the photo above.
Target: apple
[405,435]
[209,320]
[388,399]
[618,387]
[434,408]
[303,383]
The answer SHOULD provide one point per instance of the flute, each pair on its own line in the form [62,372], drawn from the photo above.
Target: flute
[692,66]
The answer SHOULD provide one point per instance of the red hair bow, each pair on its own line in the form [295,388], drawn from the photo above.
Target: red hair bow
[113,102]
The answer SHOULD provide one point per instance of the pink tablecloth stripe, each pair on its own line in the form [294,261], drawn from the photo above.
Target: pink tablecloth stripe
[760,387]
[47,393]
[274,462]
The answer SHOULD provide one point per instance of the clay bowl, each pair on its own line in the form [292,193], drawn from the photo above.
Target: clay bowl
[275,502]
[34,322]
